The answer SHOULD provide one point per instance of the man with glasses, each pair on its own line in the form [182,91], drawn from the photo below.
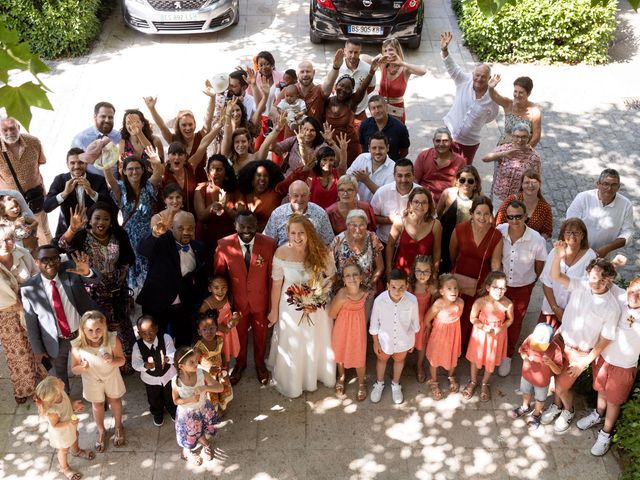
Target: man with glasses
[511,161]
[53,303]
[607,214]
[523,255]
[436,168]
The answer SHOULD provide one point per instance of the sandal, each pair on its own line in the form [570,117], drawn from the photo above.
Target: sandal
[362,392]
[208,451]
[70,474]
[86,454]
[436,391]
[101,442]
[519,411]
[485,392]
[467,393]
[421,376]
[454,386]
[118,437]
[340,388]
[193,456]
[21,400]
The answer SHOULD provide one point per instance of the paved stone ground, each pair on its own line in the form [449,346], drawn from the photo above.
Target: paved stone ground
[264,435]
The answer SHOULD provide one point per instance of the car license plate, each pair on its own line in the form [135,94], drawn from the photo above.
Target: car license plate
[179,17]
[365,30]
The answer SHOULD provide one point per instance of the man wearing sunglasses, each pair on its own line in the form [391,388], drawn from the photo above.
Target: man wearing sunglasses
[607,214]
[435,168]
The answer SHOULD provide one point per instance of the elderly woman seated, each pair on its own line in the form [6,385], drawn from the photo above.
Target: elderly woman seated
[511,161]
[347,201]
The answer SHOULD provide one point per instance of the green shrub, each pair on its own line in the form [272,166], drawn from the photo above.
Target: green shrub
[570,31]
[54,28]
[628,433]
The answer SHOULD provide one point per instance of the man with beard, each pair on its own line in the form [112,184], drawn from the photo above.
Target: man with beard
[374,168]
[436,168]
[78,188]
[245,258]
[92,140]
[174,287]
[22,156]
[390,200]
[393,129]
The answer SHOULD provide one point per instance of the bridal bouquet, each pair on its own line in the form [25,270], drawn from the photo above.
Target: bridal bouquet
[308,297]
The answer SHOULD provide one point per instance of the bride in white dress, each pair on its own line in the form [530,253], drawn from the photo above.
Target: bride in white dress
[301,353]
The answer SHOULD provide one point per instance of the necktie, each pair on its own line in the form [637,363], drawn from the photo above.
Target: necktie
[65,331]
[247,255]
[184,248]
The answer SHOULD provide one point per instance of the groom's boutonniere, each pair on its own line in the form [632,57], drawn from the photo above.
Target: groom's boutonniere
[259,261]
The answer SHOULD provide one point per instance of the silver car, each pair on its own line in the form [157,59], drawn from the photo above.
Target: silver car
[181,16]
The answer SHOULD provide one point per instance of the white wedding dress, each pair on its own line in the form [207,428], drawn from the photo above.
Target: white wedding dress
[300,355]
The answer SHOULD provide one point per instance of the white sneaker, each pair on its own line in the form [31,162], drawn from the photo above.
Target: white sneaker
[396,393]
[589,421]
[376,392]
[563,421]
[505,367]
[550,414]
[602,444]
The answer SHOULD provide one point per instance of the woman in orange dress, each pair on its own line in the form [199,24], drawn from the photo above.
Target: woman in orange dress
[491,316]
[475,250]
[394,77]
[349,336]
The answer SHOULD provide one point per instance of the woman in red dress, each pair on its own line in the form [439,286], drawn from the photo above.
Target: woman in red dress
[476,250]
[419,233]
[394,76]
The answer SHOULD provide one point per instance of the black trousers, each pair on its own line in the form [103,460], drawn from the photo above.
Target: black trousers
[176,320]
[160,398]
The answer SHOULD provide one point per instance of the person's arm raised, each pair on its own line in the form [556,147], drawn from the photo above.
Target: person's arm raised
[555,273]
[167,134]
[194,159]
[157,169]
[504,102]
[271,138]
[332,76]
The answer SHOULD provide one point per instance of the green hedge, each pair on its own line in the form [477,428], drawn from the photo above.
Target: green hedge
[54,28]
[628,433]
[569,31]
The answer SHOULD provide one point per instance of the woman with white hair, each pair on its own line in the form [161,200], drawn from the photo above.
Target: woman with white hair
[511,161]
[347,201]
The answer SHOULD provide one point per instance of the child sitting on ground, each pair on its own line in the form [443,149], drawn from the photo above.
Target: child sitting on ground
[541,357]
[152,356]
[393,326]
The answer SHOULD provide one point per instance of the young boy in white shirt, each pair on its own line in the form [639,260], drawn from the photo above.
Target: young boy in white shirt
[614,371]
[393,326]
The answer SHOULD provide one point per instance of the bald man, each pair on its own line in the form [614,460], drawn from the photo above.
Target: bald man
[176,282]
[472,106]
[298,203]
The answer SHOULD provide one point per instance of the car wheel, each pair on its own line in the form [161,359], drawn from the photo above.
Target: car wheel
[236,20]
[314,37]
[414,43]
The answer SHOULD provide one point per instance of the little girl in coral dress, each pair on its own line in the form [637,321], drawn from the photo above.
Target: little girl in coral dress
[491,316]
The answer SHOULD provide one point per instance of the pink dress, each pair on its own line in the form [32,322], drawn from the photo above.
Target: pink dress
[231,342]
[486,350]
[349,336]
[444,346]
[423,305]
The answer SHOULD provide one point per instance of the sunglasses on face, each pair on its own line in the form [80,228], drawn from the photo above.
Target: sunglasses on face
[463,180]
[515,217]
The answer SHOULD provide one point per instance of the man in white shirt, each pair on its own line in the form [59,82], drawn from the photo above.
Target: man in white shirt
[374,168]
[359,70]
[472,106]
[607,214]
[589,324]
[615,370]
[524,252]
[390,200]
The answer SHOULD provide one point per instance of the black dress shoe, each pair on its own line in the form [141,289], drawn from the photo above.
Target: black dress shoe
[263,375]
[236,374]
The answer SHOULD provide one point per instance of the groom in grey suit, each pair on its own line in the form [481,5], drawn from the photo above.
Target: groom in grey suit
[53,303]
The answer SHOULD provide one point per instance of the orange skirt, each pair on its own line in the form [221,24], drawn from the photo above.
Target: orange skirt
[445,344]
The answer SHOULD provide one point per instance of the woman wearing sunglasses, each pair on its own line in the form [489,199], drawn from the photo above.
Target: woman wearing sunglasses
[539,216]
[454,207]
[523,255]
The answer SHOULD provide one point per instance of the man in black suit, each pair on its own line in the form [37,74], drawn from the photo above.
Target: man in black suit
[53,303]
[78,187]
[175,283]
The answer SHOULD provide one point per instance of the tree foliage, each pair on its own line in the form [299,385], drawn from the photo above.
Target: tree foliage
[490,7]
[16,57]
